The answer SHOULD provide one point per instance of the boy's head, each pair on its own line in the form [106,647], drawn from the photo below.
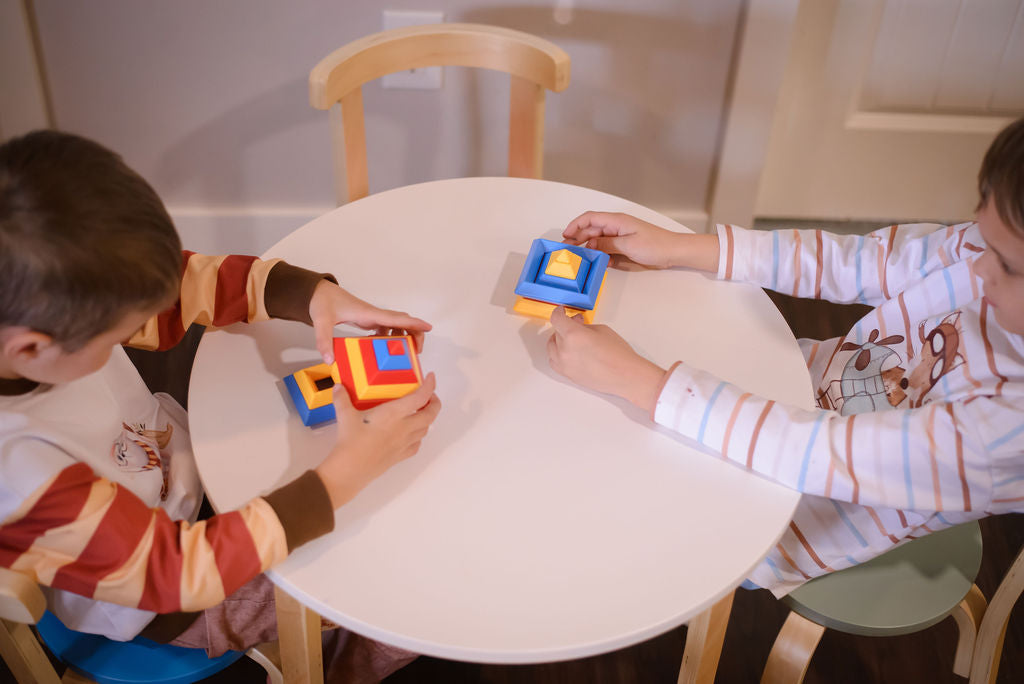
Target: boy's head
[1001,221]
[86,250]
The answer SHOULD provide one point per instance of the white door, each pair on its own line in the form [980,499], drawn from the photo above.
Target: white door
[887,106]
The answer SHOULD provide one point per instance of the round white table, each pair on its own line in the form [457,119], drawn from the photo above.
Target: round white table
[539,521]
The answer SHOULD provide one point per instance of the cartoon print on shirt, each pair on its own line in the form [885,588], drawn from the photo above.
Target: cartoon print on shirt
[871,377]
[874,379]
[137,449]
[940,353]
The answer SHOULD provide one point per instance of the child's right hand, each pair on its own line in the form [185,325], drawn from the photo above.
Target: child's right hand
[371,441]
[642,242]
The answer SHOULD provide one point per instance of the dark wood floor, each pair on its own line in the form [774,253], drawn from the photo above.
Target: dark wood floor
[925,657]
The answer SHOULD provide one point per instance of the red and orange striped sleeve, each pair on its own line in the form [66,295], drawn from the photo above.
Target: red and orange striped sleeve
[85,534]
[220,290]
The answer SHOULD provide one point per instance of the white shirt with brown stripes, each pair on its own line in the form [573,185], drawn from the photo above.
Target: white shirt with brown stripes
[920,424]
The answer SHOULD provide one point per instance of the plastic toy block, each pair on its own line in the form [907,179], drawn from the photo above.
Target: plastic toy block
[539,309]
[576,283]
[309,416]
[374,374]
[563,264]
[535,283]
[366,384]
[309,381]
[391,355]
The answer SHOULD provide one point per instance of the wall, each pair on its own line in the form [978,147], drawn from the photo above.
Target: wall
[208,101]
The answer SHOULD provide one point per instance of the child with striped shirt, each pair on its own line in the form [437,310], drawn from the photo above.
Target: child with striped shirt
[99,492]
[920,420]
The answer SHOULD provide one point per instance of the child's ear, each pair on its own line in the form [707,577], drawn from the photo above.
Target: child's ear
[23,344]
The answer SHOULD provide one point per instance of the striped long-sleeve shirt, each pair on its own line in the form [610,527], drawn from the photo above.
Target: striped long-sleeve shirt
[920,423]
[98,485]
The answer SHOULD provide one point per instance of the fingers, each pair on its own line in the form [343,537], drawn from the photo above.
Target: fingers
[415,400]
[342,404]
[399,320]
[563,323]
[554,360]
[592,224]
[323,332]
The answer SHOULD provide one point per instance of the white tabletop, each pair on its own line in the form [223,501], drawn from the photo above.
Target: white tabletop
[539,521]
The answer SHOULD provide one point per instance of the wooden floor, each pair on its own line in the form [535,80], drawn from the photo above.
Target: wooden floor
[925,657]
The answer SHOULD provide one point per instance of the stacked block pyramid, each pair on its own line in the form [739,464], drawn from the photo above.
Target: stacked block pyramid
[372,370]
[557,274]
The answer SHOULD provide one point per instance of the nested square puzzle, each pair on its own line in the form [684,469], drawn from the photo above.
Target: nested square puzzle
[372,370]
[557,274]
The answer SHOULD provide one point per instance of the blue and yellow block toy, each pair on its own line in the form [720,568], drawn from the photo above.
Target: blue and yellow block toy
[371,369]
[557,274]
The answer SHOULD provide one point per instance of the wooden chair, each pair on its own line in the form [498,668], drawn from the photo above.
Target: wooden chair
[91,658]
[534,65]
[989,646]
[908,589]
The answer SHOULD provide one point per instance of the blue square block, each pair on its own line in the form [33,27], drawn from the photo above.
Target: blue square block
[388,361]
[576,285]
[531,285]
[309,416]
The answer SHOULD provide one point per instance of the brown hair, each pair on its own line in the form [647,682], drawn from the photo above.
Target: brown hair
[1002,176]
[84,240]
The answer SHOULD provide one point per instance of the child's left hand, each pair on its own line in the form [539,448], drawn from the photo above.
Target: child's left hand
[596,357]
[331,305]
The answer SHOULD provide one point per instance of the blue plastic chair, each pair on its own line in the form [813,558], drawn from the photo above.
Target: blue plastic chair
[139,660]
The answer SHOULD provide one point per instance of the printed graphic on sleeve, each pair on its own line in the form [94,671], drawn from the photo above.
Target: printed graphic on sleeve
[875,379]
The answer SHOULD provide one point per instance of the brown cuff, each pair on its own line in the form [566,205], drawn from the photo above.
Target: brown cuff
[304,508]
[289,289]
[166,627]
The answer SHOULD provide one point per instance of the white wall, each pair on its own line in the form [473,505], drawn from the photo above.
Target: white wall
[208,100]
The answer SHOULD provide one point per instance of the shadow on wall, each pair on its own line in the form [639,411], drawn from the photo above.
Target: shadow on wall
[233,137]
[643,111]
[640,119]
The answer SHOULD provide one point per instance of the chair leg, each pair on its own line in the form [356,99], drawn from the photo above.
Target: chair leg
[792,651]
[704,637]
[24,656]
[989,647]
[263,655]
[72,677]
[298,633]
[968,615]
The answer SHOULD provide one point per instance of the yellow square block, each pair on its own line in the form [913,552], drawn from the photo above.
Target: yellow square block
[535,307]
[563,264]
[306,380]
[364,390]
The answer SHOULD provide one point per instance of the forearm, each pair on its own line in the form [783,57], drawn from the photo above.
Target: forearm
[924,459]
[698,251]
[116,549]
[220,290]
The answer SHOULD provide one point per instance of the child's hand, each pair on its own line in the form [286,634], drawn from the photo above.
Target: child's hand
[371,441]
[331,305]
[642,242]
[597,358]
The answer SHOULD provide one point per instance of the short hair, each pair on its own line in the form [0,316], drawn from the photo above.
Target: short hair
[1002,176]
[84,240]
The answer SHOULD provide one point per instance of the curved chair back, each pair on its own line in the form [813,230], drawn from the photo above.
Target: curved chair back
[534,64]
[989,646]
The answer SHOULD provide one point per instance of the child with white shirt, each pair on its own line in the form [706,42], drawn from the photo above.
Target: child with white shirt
[920,420]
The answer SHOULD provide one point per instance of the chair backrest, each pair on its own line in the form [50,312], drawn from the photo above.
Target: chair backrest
[988,647]
[21,599]
[533,63]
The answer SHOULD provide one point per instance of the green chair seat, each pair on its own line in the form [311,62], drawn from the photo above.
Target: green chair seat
[907,589]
